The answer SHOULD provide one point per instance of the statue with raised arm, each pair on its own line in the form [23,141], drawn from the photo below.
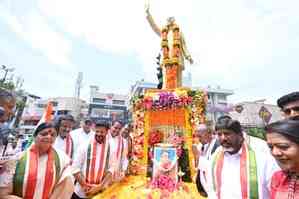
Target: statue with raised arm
[174,51]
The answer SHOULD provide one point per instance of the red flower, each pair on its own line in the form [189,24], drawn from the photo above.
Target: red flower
[155,137]
[164,182]
[179,151]
[149,196]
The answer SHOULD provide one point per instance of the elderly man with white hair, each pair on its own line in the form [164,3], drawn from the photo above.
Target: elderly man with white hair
[209,145]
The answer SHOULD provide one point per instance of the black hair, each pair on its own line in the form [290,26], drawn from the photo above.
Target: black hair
[223,117]
[121,123]
[287,127]
[229,124]
[102,123]
[88,119]
[291,97]
[61,118]
[42,126]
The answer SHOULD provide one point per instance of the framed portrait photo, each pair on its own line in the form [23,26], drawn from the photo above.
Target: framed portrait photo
[165,161]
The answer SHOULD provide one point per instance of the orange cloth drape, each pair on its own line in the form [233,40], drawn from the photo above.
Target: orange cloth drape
[171,77]
[175,116]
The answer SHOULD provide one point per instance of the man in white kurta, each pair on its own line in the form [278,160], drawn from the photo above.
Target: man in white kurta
[209,144]
[118,151]
[238,170]
[83,135]
[64,141]
[91,166]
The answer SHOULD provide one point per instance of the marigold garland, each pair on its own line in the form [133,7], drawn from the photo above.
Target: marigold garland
[179,107]
[171,55]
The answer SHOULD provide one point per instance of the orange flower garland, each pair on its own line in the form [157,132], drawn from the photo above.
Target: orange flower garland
[171,59]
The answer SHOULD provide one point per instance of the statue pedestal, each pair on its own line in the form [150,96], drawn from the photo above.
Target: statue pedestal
[137,187]
[166,116]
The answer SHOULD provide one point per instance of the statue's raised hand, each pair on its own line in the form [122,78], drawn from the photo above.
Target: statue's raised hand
[147,7]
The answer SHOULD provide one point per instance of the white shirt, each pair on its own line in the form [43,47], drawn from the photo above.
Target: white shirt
[60,144]
[80,137]
[125,154]
[80,164]
[10,151]
[257,143]
[122,163]
[204,161]
[231,186]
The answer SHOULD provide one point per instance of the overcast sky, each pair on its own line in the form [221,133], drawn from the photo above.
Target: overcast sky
[248,46]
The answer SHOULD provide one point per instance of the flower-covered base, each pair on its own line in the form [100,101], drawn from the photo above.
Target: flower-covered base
[166,116]
[137,187]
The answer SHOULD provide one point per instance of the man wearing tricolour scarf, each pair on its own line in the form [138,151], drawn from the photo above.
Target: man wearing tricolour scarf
[91,164]
[64,141]
[42,171]
[238,170]
[118,151]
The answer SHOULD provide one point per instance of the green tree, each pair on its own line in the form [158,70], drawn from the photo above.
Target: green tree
[256,132]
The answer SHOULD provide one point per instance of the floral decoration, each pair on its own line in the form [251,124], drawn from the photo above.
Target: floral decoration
[155,137]
[164,182]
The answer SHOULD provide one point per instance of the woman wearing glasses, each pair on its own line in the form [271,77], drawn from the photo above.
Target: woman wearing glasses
[42,171]
[283,140]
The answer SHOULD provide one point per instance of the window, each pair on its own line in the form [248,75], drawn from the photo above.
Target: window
[63,112]
[222,97]
[117,114]
[100,112]
[107,113]
[41,105]
[99,100]
[54,103]
[118,102]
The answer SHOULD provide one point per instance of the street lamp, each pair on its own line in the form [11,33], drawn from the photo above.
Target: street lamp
[6,69]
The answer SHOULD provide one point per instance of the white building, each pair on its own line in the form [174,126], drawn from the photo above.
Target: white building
[35,108]
[107,106]
[217,104]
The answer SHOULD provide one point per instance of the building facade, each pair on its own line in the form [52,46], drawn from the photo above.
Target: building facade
[108,106]
[35,108]
[256,114]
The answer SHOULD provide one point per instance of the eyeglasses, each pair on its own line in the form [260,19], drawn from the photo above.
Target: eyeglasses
[288,111]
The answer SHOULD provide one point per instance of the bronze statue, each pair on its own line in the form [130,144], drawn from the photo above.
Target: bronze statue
[174,51]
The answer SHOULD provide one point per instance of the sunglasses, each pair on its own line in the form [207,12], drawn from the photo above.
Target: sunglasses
[288,111]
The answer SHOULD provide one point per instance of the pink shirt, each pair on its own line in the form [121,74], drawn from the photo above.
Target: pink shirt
[284,186]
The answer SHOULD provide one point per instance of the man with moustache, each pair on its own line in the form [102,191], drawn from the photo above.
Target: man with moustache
[118,151]
[92,169]
[238,169]
[289,104]
[64,141]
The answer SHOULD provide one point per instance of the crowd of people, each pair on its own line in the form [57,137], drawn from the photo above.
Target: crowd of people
[63,162]
[233,164]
